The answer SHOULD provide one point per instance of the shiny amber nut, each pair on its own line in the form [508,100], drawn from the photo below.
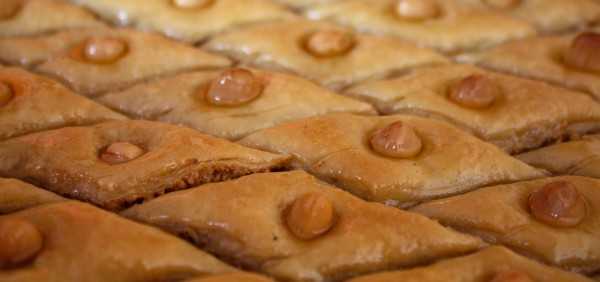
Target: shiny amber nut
[511,276]
[103,50]
[234,87]
[6,93]
[475,91]
[397,140]
[584,52]
[310,216]
[558,204]
[330,43]
[20,241]
[121,152]
[417,9]
[191,4]
[9,8]
[503,4]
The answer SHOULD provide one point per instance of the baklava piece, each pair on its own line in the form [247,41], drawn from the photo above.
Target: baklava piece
[494,264]
[398,160]
[187,20]
[95,61]
[295,228]
[16,195]
[553,219]
[31,103]
[72,241]
[31,17]
[571,61]
[333,56]
[447,25]
[230,103]
[115,164]
[514,113]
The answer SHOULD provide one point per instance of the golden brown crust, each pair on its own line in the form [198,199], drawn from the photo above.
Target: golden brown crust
[85,244]
[480,266]
[334,147]
[66,161]
[500,214]
[241,220]
[526,115]
[279,46]
[180,100]
[232,277]
[16,195]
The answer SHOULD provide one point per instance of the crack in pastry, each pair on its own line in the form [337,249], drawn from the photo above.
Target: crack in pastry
[493,264]
[30,103]
[548,16]
[514,113]
[296,228]
[578,157]
[187,20]
[552,219]
[16,195]
[450,26]
[32,17]
[570,61]
[116,164]
[247,101]
[78,242]
[336,148]
[95,61]
[330,55]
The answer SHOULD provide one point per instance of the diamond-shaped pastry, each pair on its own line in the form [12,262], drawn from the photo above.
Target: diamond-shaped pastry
[514,113]
[449,25]
[296,228]
[553,219]
[230,103]
[578,157]
[16,195]
[72,241]
[31,103]
[333,56]
[494,264]
[394,159]
[31,17]
[95,61]
[187,20]
[115,164]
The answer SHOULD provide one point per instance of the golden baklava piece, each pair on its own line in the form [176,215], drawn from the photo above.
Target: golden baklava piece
[95,61]
[514,113]
[330,55]
[296,228]
[16,195]
[187,20]
[72,241]
[398,160]
[230,103]
[553,219]
[118,163]
[31,103]
[578,157]
[31,17]
[494,264]
[450,26]
[571,61]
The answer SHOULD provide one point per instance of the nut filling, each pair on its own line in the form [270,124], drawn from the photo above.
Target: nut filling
[329,43]
[191,4]
[104,50]
[310,216]
[6,93]
[121,152]
[397,140]
[511,276]
[583,53]
[234,87]
[20,241]
[475,91]
[558,204]
[417,10]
